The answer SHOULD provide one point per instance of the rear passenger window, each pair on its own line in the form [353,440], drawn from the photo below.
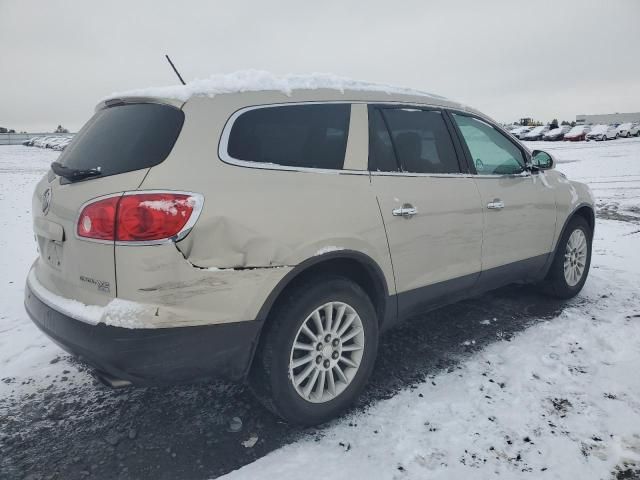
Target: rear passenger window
[309,136]
[381,156]
[419,139]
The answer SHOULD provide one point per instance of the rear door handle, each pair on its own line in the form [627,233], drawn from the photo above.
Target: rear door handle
[497,204]
[407,211]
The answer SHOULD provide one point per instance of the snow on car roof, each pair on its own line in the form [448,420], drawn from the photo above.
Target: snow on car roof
[259,80]
[600,128]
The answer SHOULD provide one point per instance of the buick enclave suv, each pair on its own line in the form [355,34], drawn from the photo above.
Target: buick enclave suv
[270,236]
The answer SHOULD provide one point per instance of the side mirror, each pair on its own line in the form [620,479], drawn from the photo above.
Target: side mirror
[541,160]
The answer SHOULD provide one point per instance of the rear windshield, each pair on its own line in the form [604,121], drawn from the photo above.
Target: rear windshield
[310,136]
[124,138]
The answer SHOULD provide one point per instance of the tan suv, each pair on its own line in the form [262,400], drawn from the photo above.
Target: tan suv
[271,236]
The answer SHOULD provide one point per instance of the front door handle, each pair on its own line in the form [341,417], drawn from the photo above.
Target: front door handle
[407,211]
[497,204]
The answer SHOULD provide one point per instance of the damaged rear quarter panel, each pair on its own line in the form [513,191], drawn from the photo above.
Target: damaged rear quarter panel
[176,293]
[258,217]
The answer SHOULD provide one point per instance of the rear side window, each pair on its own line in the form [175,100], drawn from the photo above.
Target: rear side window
[308,136]
[124,138]
[420,141]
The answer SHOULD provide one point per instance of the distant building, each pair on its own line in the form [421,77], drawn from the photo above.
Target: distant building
[607,118]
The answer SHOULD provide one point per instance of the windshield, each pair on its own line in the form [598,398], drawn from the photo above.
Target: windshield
[577,129]
[599,129]
[124,138]
[536,130]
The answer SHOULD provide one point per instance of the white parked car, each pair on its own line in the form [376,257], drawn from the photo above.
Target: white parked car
[599,132]
[42,141]
[612,132]
[520,132]
[556,133]
[624,130]
[635,130]
[537,133]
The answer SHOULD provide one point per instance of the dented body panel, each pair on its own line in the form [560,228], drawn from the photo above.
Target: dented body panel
[183,294]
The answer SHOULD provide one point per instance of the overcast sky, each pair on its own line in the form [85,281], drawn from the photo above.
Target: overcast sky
[508,58]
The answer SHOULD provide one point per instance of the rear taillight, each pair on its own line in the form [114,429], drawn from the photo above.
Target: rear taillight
[97,219]
[140,217]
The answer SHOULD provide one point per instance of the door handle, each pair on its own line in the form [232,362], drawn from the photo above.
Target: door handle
[407,211]
[497,204]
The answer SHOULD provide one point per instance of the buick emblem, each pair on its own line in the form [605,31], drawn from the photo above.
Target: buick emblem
[46,201]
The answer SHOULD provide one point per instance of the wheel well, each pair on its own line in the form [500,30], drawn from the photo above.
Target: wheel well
[357,271]
[586,213]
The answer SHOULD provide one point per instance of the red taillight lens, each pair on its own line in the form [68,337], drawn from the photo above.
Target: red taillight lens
[97,220]
[152,216]
[140,217]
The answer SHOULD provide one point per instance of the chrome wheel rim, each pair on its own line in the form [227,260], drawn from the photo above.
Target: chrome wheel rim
[575,257]
[327,352]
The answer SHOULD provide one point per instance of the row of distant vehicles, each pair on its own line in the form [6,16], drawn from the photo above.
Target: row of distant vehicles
[577,133]
[55,142]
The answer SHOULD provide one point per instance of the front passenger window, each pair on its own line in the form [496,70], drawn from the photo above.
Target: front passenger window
[491,151]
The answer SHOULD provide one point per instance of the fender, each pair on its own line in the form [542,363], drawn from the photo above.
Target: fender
[370,264]
[552,255]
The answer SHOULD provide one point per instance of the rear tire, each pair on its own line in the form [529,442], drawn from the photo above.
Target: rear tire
[572,260]
[291,372]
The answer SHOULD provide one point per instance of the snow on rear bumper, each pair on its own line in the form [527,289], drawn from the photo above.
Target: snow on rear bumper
[117,312]
[175,297]
[143,356]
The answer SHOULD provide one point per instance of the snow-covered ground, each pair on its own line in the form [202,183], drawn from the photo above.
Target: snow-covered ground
[559,400]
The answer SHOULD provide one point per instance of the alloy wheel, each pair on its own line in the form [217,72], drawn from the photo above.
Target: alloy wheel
[327,352]
[575,257]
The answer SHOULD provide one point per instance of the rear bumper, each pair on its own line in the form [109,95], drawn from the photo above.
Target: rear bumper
[150,356]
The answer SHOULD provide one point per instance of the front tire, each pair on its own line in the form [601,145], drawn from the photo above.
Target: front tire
[317,352]
[572,260]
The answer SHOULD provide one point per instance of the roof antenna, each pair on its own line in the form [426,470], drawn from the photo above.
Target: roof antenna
[175,69]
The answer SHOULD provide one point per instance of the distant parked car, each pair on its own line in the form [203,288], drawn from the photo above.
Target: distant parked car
[577,133]
[537,133]
[520,132]
[62,143]
[599,132]
[612,132]
[41,141]
[556,133]
[624,130]
[635,130]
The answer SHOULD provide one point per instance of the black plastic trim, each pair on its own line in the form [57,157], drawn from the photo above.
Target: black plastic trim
[151,356]
[431,297]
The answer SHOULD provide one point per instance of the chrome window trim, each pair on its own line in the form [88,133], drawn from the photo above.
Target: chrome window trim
[223,145]
[197,209]
[416,174]
[226,132]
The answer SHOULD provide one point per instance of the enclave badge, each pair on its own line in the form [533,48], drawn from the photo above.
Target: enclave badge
[46,201]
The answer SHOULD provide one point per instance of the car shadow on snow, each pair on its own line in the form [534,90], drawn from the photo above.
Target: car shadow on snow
[89,431]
